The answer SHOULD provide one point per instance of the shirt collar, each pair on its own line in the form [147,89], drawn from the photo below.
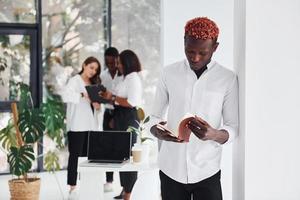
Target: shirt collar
[108,73]
[209,65]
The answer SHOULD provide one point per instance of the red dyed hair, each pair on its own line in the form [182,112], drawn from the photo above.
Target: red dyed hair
[201,28]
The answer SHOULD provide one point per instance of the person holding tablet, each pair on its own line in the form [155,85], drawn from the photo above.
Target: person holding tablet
[82,116]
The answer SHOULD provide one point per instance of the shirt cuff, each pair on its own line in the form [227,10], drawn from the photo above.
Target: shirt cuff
[231,133]
[153,120]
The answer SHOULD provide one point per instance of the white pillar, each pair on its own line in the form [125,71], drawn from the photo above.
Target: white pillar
[268,59]
[238,166]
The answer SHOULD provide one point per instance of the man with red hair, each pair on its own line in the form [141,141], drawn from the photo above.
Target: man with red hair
[202,87]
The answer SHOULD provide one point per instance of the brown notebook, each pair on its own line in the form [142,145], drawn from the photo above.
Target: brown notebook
[183,132]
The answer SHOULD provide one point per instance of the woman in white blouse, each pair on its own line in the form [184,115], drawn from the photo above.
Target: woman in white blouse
[81,115]
[127,97]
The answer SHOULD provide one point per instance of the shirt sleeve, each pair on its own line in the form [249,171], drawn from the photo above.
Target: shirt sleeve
[103,78]
[161,101]
[159,106]
[70,92]
[134,91]
[231,111]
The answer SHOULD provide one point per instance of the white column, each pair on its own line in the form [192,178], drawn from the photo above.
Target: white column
[238,167]
[267,54]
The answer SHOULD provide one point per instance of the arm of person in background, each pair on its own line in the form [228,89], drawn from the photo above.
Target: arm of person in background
[134,93]
[230,119]
[121,101]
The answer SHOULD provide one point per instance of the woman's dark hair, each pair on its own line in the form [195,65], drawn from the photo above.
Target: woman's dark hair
[130,62]
[96,78]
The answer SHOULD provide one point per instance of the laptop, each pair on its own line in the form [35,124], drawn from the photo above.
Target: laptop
[109,146]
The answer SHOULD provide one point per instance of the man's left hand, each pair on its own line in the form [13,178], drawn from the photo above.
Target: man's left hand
[205,132]
[202,129]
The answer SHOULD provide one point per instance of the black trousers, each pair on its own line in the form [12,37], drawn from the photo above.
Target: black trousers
[108,116]
[77,147]
[124,117]
[208,189]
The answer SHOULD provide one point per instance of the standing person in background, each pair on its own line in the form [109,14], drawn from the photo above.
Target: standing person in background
[127,97]
[110,78]
[82,116]
[209,91]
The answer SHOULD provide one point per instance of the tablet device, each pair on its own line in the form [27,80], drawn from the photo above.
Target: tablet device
[93,92]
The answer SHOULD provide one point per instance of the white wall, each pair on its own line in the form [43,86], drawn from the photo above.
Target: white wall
[174,16]
[176,13]
[272,108]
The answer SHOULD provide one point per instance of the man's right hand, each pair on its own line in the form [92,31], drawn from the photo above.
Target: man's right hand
[163,134]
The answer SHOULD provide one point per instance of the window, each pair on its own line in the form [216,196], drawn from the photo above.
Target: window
[15,61]
[57,41]
[20,56]
[72,31]
[18,11]
[136,25]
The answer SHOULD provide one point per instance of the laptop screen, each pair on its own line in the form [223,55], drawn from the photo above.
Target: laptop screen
[109,145]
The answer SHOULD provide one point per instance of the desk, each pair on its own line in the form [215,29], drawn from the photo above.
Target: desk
[92,176]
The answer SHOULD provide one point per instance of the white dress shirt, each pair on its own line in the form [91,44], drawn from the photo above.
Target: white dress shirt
[131,88]
[80,116]
[110,83]
[213,97]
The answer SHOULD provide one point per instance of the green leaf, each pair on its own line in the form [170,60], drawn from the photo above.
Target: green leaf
[58,137]
[140,114]
[54,115]
[25,101]
[147,119]
[143,139]
[51,163]
[133,129]
[20,159]
[31,124]
[8,136]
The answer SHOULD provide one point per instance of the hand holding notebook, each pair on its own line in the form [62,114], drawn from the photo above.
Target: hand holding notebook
[183,132]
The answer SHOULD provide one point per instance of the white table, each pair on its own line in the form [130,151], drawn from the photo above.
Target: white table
[92,176]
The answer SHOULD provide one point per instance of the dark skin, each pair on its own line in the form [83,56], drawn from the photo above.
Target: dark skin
[108,94]
[198,53]
[111,62]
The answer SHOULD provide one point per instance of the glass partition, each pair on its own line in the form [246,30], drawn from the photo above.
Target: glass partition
[14,64]
[17,11]
[136,26]
[72,31]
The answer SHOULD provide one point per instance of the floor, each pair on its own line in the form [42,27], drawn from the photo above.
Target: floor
[54,187]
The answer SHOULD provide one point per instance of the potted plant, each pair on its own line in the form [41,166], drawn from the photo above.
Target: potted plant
[140,130]
[24,130]
[141,134]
